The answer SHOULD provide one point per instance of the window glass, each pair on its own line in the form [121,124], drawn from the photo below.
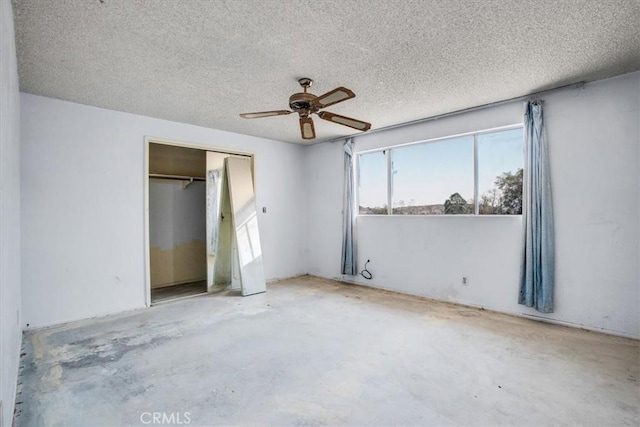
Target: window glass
[500,162]
[372,181]
[434,178]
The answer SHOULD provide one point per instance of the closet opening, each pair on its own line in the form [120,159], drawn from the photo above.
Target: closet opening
[202,231]
[177,222]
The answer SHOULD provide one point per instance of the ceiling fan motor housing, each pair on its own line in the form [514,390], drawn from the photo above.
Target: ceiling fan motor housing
[301,103]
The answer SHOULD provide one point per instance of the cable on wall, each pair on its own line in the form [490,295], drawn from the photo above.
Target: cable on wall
[366,273]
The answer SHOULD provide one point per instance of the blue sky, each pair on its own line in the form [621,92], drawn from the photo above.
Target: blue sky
[426,174]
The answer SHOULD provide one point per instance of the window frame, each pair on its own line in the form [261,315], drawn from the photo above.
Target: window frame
[389,159]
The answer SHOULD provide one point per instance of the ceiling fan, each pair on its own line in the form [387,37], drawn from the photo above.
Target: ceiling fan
[306,104]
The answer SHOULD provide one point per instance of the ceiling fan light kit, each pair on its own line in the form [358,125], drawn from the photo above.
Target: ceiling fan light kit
[306,104]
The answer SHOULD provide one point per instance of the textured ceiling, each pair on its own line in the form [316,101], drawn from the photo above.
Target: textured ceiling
[204,62]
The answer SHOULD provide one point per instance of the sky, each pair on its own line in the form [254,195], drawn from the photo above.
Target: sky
[429,173]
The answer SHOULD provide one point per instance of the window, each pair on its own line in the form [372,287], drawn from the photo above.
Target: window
[500,164]
[372,180]
[474,174]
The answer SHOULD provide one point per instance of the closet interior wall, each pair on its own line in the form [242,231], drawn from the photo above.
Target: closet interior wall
[177,225]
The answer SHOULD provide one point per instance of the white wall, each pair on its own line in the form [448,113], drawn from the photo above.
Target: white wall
[176,214]
[594,140]
[177,232]
[10,330]
[83,213]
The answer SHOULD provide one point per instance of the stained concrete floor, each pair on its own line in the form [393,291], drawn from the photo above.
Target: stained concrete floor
[315,352]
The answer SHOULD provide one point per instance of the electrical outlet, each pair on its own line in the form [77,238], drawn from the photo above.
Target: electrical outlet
[465,281]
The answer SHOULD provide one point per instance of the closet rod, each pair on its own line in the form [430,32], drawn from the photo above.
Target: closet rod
[178,177]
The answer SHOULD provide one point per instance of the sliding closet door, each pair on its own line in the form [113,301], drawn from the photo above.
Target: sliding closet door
[245,225]
[218,269]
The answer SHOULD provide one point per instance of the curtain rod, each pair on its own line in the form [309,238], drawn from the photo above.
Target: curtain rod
[577,85]
[178,177]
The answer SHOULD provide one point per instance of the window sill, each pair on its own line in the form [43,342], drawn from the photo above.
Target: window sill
[439,216]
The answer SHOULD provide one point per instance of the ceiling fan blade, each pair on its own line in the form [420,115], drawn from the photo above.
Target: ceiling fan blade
[307,129]
[345,121]
[339,94]
[261,114]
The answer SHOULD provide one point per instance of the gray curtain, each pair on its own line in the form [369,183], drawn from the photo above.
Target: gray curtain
[349,213]
[537,267]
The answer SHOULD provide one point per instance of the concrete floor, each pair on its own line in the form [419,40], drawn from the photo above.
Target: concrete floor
[170,293]
[315,352]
